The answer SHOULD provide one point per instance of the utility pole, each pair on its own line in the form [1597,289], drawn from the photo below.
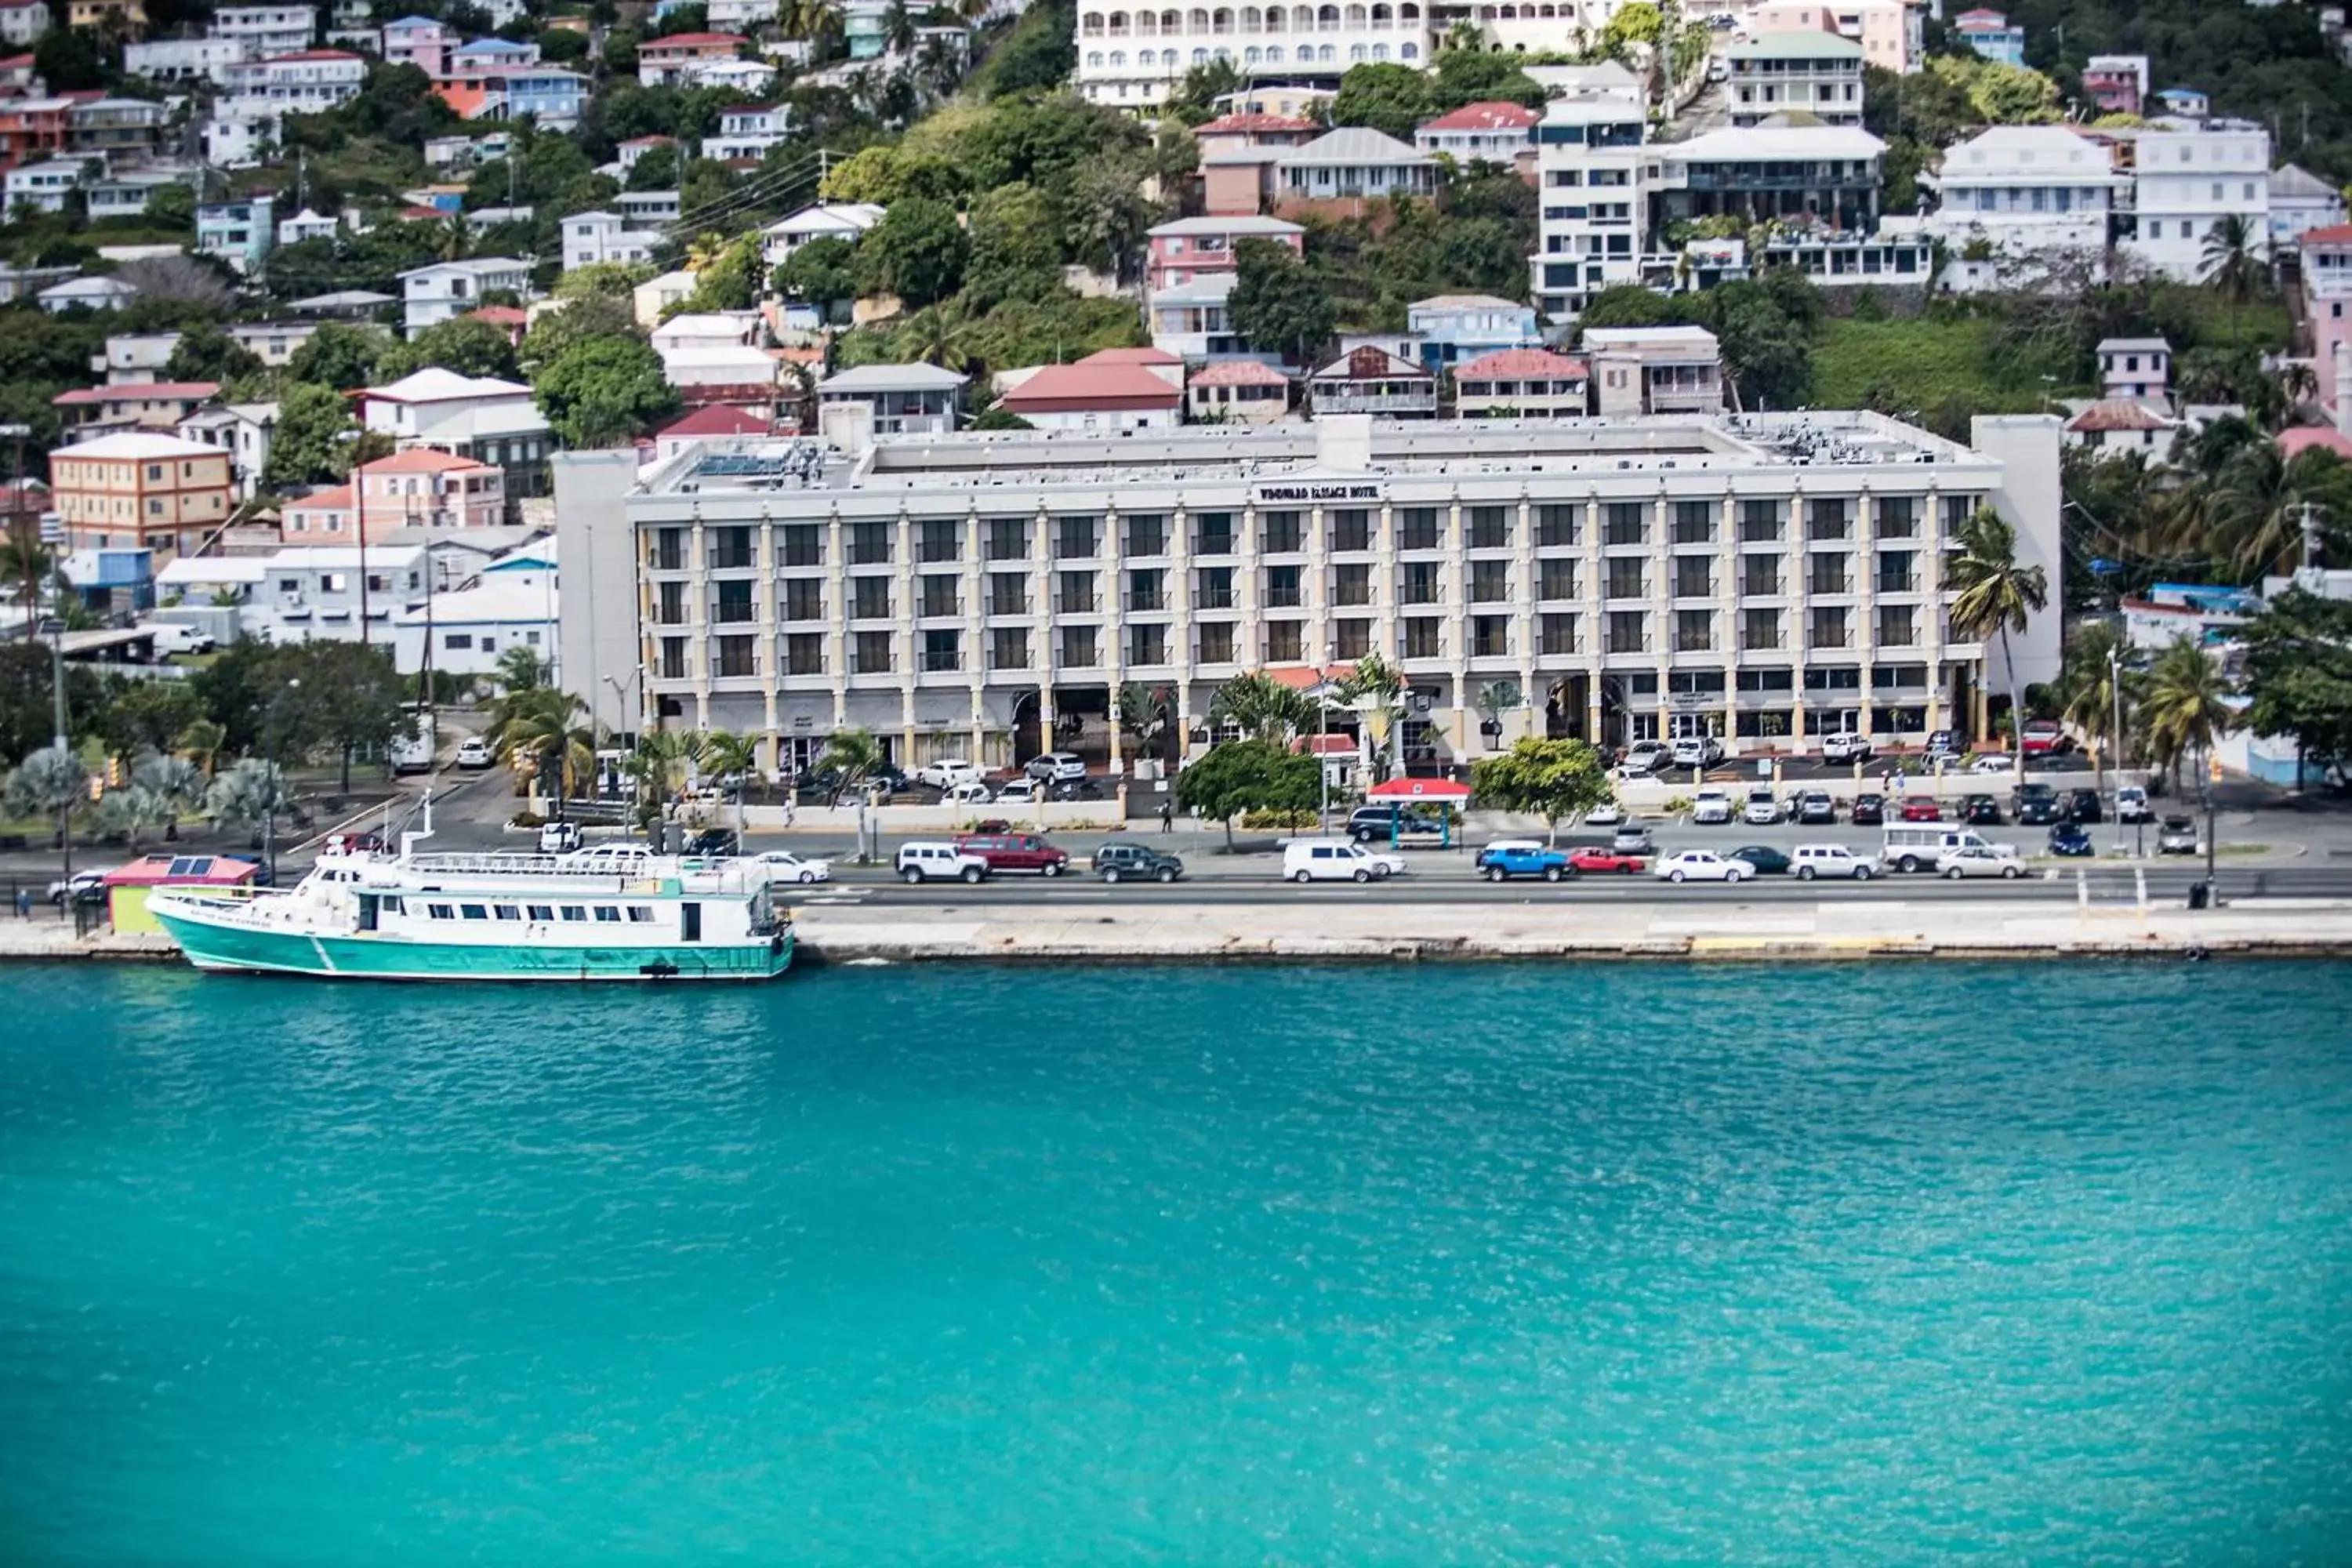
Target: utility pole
[2115,691]
[2307,521]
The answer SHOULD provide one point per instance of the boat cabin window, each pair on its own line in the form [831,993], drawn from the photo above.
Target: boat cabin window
[509,912]
[542,912]
[608,913]
[575,911]
[640,915]
[441,912]
[475,911]
[391,906]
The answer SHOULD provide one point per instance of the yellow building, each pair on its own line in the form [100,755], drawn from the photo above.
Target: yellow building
[137,490]
[128,15]
[127,886]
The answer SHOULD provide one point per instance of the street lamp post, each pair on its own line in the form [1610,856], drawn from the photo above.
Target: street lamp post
[270,789]
[359,497]
[2115,692]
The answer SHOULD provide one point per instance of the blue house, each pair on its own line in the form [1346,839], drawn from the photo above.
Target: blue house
[240,233]
[2185,101]
[554,95]
[1450,329]
[1993,35]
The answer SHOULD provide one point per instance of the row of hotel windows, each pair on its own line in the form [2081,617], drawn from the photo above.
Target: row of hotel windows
[942,650]
[1146,588]
[608,914]
[1623,524]
[1308,55]
[1272,19]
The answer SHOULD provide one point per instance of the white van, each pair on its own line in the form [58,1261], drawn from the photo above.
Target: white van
[1915,846]
[412,753]
[1337,860]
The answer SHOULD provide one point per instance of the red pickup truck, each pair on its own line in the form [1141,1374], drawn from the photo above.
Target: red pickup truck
[1015,852]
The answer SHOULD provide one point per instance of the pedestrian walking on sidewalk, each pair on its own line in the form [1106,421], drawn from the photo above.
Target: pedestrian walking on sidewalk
[1167,816]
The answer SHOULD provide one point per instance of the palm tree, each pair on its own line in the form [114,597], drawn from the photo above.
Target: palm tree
[452,238]
[130,812]
[46,782]
[1997,596]
[936,335]
[540,738]
[853,756]
[520,668]
[201,742]
[1142,712]
[29,567]
[2298,382]
[1494,700]
[662,757]
[176,785]
[2184,708]
[898,27]
[2088,688]
[1261,708]
[2246,513]
[725,754]
[2231,264]
[248,791]
[1376,691]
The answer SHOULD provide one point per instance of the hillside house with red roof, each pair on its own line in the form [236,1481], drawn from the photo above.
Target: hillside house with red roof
[1097,394]
[1522,383]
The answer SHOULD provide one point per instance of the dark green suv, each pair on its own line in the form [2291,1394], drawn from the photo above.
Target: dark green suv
[1136,862]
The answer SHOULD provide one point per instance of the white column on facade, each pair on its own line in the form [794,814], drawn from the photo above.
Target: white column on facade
[697,598]
[908,664]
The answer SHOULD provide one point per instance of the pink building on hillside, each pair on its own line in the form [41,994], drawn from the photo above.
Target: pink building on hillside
[2327,303]
[1195,247]
[416,488]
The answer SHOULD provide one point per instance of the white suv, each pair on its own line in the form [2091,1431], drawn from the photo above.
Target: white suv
[1648,756]
[1811,860]
[1697,752]
[938,862]
[1056,767]
[1711,806]
[1762,810]
[944,773]
[1845,746]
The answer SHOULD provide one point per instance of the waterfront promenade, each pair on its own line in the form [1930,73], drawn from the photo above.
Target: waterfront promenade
[1845,924]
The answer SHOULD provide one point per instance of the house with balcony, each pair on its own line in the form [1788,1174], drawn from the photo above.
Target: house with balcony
[1898,252]
[86,293]
[1828,174]
[257,95]
[2327,304]
[746,133]
[419,41]
[846,221]
[1450,328]
[422,489]
[2187,176]
[591,238]
[647,210]
[127,193]
[126,18]
[1816,73]
[22,22]
[2017,203]
[1891,33]
[2136,369]
[627,153]
[1594,172]
[1238,392]
[306,224]
[667,61]
[174,61]
[1194,248]
[131,405]
[45,185]
[239,232]
[1373,381]
[115,128]
[2186,102]
[482,56]
[1654,370]
[751,77]
[481,417]
[897,399]
[1522,383]
[1191,320]
[322,591]
[433,294]
[2118,84]
[1992,34]
[2300,201]
[1348,171]
[269,29]
[31,127]
[1483,132]
[1101,392]
[246,431]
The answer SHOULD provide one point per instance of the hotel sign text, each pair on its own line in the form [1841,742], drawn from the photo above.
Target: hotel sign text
[1316,491]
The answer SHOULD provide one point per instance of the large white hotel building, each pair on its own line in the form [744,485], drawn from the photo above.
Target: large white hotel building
[1767,578]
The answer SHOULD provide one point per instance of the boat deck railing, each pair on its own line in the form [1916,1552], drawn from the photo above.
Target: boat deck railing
[695,874]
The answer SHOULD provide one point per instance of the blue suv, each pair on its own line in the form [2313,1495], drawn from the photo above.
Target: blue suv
[1519,858]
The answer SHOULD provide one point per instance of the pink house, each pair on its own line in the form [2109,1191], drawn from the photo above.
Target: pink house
[2327,303]
[1890,32]
[416,488]
[1195,247]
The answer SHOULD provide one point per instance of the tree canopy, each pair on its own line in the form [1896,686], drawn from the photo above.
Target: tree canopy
[1242,777]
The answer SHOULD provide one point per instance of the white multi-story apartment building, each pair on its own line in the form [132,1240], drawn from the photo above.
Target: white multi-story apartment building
[1130,53]
[257,95]
[1590,166]
[1817,73]
[2188,176]
[2027,200]
[434,294]
[43,186]
[1768,579]
[593,238]
[22,22]
[271,30]
[746,132]
[186,59]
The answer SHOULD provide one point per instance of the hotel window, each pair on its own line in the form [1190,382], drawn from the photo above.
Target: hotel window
[938,594]
[1896,572]
[1556,634]
[1628,578]
[939,540]
[1898,626]
[803,599]
[1282,532]
[1694,576]
[1694,523]
[942,649]
[1628,632]
[1147,535]
[1146,589]
[1213,588]
[1008,538]
[1759,575]
[803,544]
[1075,538]
[1556,526]
[475,911]
[1352,585]
[1421,638]
[872,653]
[734,600]
[1423,583]
[673,658]
[804,653]
[1625,522]
[1216,643]
[1694,630]
[1285,641]
[1147,645]
[1555,579]
[870,598]
[1008,593]
[1283,590]
[1958,509]
[1898,517]
[869,543]
[1490,582]
[1351,640]
[1417,527]
[1213,533]
[1828,518]
[670,605]
[730,548]
[1351,528]
[1830,627]
[1079,650]
[736,657]
[1076,594]
[1008,648]
[1490,636]
[1759,628]
[1490,527]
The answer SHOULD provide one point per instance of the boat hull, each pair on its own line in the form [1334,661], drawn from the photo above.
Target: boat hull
[234,948]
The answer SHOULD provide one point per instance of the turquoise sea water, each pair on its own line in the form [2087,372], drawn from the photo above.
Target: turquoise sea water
[1577,1264]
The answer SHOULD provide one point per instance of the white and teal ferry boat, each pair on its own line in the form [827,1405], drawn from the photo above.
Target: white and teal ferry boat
[492,917]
